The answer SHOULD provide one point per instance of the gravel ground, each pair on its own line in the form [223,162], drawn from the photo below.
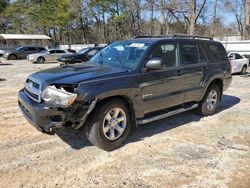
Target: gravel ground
[185,150]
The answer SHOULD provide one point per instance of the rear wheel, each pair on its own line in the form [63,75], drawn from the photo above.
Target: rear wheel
[208,105]
[244,69]
[40,60]
[109,125]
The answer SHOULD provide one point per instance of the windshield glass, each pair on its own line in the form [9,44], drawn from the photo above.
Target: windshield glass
[44,51]
[18,48]
[125,54]
[82,51]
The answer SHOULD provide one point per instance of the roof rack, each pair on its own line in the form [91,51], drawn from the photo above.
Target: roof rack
[174,36]
[193,37]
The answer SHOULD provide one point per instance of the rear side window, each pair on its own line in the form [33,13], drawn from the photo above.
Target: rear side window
[238,56]
[40,49]
[215,52]
[189,53]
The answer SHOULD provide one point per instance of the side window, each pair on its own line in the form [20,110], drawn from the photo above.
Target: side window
[189,53]
[60,51]
[168,53]
[202,54]
[32,49]
[92,52]
[216,52]
[238,56]
[52,51]
[24,49]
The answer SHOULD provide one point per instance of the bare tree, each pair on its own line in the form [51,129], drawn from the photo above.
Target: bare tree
[238,8]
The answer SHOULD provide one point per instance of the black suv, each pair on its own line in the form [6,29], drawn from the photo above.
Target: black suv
[22,52]
[82,55]
[128,83]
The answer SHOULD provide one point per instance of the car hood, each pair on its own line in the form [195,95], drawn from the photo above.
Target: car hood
[74,74]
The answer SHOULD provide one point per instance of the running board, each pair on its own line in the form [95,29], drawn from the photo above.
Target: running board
[155,118]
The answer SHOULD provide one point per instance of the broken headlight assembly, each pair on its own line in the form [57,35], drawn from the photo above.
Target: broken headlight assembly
[58,97]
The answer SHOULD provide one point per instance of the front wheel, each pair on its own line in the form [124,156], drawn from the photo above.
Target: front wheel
[40,60]
[109,125]
[208,105]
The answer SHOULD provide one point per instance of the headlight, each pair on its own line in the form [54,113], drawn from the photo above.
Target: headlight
[58,97]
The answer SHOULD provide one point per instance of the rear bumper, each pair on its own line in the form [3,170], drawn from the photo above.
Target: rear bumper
[227,82]
[42,117]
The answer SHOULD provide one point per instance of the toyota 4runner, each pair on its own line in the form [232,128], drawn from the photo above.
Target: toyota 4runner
[130,82]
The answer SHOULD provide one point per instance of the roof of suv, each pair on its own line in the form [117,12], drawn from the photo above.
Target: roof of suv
[170,37]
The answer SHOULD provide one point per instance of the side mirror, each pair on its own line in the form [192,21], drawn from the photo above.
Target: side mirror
[154,64]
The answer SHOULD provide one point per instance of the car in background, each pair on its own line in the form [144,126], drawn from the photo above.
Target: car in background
[22,52]
[1,53]
[82,55]
[239,63]
[247,56]
[50,55]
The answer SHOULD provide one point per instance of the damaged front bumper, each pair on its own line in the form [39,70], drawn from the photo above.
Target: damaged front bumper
[47,119]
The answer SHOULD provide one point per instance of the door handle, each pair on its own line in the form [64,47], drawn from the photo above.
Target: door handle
[205,68]
[178,73]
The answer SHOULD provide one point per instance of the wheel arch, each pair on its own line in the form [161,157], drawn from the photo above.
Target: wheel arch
[40,57]
[127,100]
[219,83]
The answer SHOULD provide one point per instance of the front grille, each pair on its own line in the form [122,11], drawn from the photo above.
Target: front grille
[33,88]
[35,85]
[32,95]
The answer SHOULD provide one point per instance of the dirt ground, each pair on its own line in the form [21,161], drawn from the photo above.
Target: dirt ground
[185,150]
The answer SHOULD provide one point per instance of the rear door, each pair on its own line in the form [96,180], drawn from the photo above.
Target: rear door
[58,54]
[194,67]
[163,88]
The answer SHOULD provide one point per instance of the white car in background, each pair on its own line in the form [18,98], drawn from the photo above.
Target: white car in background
[50,55]
[1,53]
[238,62]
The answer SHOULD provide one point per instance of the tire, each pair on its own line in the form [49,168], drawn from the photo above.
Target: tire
[209,103]
[12,57]
[102,127]
[40,60]
[244,70]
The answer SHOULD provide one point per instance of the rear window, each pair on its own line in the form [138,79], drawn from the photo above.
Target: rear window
[215,52]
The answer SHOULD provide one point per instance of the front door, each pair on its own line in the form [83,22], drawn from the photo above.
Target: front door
[163,88]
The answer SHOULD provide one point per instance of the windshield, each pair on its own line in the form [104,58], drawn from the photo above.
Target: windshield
[82,51]
[18,48]
[44,51]
[125,54]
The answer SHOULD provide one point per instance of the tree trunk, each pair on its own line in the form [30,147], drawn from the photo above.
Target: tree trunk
[192,13]
[214,17]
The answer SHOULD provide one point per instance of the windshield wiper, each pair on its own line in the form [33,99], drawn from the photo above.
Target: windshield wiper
[101,57]
[119,60]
